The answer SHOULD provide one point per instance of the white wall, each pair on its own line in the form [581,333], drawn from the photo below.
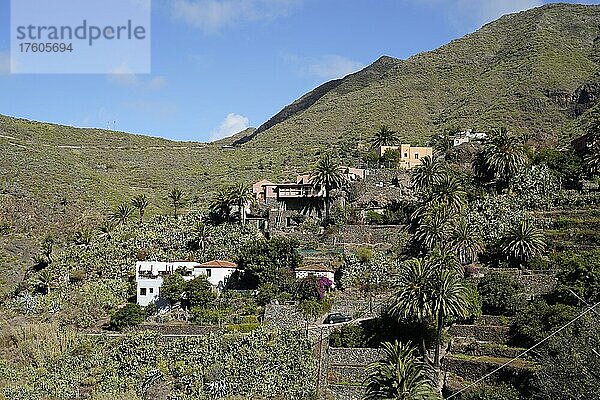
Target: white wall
[319,274]
[154,281]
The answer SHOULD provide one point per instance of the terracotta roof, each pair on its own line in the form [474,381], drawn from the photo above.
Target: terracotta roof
[219,264]
[321,268]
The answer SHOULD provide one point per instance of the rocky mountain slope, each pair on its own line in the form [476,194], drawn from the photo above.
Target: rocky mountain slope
[535,72]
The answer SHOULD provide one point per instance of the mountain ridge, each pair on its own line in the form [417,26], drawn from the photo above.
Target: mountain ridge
[533,61]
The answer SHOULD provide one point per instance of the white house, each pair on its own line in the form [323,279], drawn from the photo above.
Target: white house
[149,276]
[316,270]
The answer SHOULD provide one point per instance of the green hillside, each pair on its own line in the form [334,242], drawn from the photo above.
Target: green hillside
[535,72]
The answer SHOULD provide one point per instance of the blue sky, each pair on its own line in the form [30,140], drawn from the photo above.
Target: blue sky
[221,65]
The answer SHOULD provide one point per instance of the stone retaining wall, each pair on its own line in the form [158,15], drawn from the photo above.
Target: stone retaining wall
[472,369]
[188,329]
[284,316]
[493,334]
[373,235]
[344,392]
[479,349]
[353,356]
[358,308]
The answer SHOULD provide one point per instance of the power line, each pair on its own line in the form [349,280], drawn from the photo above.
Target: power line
[524,352]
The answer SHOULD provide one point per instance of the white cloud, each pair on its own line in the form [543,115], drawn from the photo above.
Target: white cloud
[466,13]
[326,67]
[212,15]
[484,11]
[232,124]
[4,63]
[122,76]
[333,67]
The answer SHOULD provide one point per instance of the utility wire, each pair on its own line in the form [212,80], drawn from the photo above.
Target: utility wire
[524,352]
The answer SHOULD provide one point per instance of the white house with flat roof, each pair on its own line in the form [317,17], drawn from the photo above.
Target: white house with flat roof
[149,276]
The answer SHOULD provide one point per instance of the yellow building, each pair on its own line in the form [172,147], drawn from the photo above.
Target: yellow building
[410,156]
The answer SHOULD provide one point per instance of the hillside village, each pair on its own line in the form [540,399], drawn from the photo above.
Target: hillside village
[334,256]
[401,245]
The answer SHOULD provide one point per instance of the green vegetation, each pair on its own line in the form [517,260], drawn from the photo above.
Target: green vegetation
[400,375]
[43,361]
[72,228]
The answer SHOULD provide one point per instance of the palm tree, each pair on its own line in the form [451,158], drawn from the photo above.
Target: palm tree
[466,243]
[412,299]
[430,172]
[328,176]
[384,137]
[504,156]
[48,247]
[449,299]
[449,193]
[443,144]
[122,214]
[401,375]
[592,160]
[434,225]
[106,229]
[141,203]
[176,197]
[429,290]
[523,242]
[220,204]
[240,196]
[201,236]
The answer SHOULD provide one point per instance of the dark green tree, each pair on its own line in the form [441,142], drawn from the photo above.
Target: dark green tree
[173,288]
[199,292]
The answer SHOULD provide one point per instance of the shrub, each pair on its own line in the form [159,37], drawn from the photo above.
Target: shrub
[538,320]
[374,218]
[77,275]
[312,309]
[242,328]
[487,392]
[579,272]
[209,315]
[501,294]
[364,254]
[129,315]
[349,335]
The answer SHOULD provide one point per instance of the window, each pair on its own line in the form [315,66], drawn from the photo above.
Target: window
[142,291]
[405,155]
[151,290]
[416,156]
[208,272]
